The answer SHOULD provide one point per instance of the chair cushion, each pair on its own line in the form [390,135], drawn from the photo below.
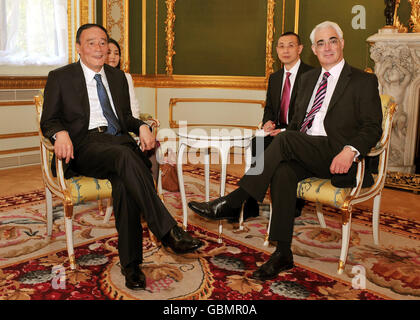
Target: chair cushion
[84,189]
[322,191]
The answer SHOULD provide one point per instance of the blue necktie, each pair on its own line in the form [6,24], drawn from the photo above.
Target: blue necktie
[319,99]
[113,124]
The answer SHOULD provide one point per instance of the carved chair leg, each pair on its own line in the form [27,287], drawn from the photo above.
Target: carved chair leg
[109,210]
[68,211]
[241,218]
[320,215]
[375,217]
[100,208]
[345,241]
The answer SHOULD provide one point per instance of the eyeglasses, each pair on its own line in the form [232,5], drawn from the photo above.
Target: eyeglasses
[333,42]
[289,46]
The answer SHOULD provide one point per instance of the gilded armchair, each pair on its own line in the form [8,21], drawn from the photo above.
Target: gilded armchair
[322,192]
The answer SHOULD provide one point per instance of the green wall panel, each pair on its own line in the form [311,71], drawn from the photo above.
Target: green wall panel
[228,37]
[219,37]
[135,36]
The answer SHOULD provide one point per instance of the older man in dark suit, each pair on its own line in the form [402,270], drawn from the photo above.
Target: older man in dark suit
[337,118]
[280,101]
[87,115]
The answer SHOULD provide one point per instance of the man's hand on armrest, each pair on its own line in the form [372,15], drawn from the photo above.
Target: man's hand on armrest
[63,147]
[147,139]
[342,161]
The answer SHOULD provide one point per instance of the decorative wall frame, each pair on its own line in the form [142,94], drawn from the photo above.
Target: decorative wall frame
[115,19]
[170,36]
[79,12]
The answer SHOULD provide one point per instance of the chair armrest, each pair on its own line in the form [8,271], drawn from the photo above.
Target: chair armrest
[47,143]
[56,184]
[146,117]
[377,150]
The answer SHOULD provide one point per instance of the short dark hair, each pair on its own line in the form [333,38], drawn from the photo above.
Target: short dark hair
[110,40]
[88,26]
[290,33]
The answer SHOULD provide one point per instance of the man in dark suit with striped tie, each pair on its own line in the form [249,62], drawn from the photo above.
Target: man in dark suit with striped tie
[280,100]
[337,118]
[87,116]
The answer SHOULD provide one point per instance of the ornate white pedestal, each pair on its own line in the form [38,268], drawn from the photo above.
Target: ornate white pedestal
[397,66]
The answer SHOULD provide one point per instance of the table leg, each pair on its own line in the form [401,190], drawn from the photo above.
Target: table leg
[247,166]
[224,154]
[182,147]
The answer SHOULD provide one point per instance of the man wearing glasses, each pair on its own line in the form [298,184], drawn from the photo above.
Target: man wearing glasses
[337,118]
[279,103]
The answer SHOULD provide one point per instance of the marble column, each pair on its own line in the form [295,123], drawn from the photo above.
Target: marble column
[397,66]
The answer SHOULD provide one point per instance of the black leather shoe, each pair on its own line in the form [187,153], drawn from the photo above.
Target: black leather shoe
[217,209]
[277,263]
[134,277]
[180,241]
[251,209]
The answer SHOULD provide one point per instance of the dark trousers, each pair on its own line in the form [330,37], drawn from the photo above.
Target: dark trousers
[290,157]
[119,159]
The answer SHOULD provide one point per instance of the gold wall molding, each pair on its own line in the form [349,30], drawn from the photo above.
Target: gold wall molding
[143,37]
[170,35]
[156,81]
[414,21]
[297,4]
[21,150]
[116,21]
[18,135]
[269,60]
[22,82]
[186,81]
[16,103]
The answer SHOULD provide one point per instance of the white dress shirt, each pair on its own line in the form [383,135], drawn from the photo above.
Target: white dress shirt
[135,105]
[97,118]
[317,128]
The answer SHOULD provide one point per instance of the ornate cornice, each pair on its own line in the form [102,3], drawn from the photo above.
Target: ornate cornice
[159,81]
[186,81]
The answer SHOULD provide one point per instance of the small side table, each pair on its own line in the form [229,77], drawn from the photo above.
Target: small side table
[220,137]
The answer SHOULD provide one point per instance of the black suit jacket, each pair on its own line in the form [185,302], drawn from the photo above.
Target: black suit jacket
[274,91]
[66,103]
[354,115]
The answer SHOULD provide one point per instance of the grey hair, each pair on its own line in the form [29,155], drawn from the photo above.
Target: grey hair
[323,25]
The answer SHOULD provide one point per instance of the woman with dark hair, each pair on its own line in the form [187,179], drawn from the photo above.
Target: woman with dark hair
[114,60]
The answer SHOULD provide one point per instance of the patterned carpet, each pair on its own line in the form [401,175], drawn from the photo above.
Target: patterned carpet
[31,263]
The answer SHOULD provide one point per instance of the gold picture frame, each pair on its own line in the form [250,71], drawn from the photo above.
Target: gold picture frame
[170,36]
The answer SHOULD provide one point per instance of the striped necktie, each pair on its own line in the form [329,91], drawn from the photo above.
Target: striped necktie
[113,125]
[319,99]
